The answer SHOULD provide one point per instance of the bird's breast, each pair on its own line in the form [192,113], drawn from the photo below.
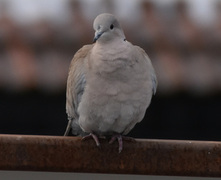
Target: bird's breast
[116,93]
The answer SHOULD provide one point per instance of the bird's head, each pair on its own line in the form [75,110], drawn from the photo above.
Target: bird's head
[107,28]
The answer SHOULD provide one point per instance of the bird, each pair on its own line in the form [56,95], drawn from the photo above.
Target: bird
[110,84]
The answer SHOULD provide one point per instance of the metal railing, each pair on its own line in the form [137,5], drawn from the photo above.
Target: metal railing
[146,157]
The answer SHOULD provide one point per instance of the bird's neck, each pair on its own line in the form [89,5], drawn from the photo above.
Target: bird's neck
[112,46]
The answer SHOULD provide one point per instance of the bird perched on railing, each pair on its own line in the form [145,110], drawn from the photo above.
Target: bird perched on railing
[110,84]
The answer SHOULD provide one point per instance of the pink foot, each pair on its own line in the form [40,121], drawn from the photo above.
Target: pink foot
[120,139]
[91,135]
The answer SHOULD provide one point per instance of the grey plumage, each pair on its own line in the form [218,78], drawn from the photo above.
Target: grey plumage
[110,83]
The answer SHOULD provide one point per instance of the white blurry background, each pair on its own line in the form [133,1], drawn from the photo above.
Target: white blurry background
[38,39]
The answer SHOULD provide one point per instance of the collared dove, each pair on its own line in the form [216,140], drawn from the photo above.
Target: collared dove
[110,84]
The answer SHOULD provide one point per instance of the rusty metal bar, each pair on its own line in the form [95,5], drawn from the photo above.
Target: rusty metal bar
[149,157]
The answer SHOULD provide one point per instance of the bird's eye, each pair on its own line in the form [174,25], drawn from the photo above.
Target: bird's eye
[111,26]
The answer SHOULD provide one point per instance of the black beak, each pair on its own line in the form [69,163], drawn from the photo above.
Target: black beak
[97,36]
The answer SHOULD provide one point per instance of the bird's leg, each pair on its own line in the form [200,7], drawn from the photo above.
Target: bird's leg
[117,137]
[120,139]
[94,136]
[68,128]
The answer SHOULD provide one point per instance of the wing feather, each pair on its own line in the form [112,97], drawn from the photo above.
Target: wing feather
[75,87]
[150,68]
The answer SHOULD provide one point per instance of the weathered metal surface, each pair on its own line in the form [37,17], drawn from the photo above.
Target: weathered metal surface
[150,157]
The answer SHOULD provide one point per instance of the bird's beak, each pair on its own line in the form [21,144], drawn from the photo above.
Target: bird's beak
[97,35]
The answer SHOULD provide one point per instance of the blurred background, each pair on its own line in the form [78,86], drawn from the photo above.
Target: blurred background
[38,39]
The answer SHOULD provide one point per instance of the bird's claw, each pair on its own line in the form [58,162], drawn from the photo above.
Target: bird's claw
[120,139]
[94,136]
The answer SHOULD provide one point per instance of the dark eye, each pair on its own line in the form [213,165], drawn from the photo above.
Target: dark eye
[111,26]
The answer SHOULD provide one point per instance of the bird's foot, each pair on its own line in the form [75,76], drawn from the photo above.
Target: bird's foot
[94,136]
[120,139]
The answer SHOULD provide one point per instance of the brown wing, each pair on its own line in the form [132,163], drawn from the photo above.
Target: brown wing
[75,88]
